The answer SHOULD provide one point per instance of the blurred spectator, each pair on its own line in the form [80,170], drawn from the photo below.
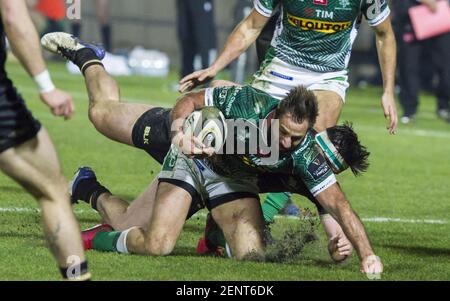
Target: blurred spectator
[102,11]
[196,33]
[410,61]
[54,11]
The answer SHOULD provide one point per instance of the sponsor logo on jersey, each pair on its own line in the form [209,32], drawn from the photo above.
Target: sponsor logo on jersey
[319,26]
[323,14]
[320,2]
[318,167]
[286,77]
[344,5]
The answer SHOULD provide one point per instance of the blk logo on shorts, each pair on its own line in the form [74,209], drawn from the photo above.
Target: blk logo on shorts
[320,2]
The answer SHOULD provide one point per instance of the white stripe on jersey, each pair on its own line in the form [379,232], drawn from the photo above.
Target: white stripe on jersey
[380,18]
[324,185]
[209,97]
[261,9]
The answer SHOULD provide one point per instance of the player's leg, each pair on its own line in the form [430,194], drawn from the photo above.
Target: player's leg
[122,215]
[114,211]
[330,106]
[34,164]
[169,214]
[243,225]
[110,116]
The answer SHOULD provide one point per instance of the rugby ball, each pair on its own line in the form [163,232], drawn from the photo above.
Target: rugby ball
[208,125]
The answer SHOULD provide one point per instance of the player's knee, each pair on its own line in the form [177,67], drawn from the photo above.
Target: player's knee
[97,114]
[55,190]
[253,254]
[159,247]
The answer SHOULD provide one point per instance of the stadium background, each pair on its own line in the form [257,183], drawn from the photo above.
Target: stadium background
[404,199]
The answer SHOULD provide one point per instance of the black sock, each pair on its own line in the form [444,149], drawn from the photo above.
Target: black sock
[78,272]
[106,37]
[76,29]
[96,194]
[89,191]
[85,58]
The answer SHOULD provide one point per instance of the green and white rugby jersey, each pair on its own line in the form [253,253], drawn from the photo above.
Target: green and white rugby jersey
[318,34]
[253,105]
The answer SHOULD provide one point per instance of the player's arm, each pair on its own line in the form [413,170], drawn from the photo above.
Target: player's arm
[189,145]
[244,35]
[335,202]
[25,45]
[387,53]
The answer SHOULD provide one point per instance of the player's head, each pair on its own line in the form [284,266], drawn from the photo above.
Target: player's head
[297,113]
[342,149]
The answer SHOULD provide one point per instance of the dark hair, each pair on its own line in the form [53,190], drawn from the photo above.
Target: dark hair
[301,104]
[347,144]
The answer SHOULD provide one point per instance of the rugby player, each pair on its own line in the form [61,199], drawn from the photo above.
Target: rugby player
[184,181]
[27,154]
[312,45]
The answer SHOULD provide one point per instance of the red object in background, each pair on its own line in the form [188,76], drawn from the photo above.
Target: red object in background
[427,24]
[52,9]
[320,2]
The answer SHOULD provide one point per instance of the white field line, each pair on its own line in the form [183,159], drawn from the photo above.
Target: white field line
[203,214]
[406,132]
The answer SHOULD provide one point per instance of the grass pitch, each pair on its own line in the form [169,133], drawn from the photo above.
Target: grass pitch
[404,199]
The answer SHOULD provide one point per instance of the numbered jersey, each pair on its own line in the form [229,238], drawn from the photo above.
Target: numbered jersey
[252,105]
[318,34]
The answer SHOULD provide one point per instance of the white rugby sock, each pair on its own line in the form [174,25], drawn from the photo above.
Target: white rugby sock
[121,244]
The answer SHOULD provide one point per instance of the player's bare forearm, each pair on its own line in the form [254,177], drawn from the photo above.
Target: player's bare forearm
[387,54]
[244,35]
[22,35]
[185,105]
[334,201]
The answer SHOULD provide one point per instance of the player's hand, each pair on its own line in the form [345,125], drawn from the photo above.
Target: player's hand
[191,146]
[431,4]
[196,78]
[372,267]
[59,102]
[390,111]
[339,247]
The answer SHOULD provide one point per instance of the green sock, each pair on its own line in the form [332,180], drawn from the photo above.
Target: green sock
[216,238]
[106,241]
[273,203]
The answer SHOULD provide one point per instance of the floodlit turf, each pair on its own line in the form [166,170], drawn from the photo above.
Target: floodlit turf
[408,180]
